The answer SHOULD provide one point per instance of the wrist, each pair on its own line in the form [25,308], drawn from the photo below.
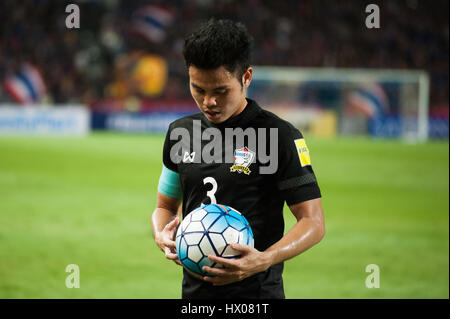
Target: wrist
[268,258]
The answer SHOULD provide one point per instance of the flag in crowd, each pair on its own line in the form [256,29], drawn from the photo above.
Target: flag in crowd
[151,21]
[25,86]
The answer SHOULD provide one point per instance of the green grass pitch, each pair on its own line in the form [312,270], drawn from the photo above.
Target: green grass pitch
[88,201]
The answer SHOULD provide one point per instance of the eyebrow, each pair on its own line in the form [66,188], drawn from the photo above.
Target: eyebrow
[223,87]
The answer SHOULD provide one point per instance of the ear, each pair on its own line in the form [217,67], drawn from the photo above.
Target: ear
[247,77]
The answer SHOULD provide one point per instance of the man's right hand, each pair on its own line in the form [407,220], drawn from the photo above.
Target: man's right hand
[165,242]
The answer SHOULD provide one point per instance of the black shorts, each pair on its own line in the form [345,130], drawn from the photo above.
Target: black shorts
[264,285]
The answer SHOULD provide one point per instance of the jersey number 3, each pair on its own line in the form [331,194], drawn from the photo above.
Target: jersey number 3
[210,193]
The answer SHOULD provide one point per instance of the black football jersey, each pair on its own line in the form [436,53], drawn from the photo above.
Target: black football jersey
[253,162]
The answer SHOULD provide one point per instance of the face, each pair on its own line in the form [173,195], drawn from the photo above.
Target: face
[218,93]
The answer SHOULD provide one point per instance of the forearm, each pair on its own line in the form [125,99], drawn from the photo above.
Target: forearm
[303,235]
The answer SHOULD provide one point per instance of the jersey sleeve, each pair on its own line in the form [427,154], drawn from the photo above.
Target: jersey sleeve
[169,183]
[295,177]
[167,162]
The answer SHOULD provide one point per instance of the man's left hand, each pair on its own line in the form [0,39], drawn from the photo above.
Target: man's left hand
[250,262]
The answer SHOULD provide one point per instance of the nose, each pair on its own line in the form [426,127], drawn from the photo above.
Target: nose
[209,100]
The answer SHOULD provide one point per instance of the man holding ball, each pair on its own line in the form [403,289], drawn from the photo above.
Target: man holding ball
[265,164]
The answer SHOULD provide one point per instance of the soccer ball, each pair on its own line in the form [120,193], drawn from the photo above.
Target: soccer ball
[209,230]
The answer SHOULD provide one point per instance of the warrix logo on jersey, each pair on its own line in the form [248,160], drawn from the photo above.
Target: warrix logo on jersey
[188,158]
[242,159]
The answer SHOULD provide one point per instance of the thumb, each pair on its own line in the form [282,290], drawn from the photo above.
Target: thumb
[174,223]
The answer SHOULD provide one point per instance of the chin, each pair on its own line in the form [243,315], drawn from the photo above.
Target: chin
[217,121]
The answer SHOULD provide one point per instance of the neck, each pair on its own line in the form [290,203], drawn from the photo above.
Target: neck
[241,107]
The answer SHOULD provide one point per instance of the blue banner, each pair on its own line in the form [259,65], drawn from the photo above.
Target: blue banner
[395,126]
[134,122]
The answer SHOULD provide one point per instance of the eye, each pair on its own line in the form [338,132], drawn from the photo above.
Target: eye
[221,92]
[198,90]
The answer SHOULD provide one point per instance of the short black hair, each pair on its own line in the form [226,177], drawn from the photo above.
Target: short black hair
[219,43]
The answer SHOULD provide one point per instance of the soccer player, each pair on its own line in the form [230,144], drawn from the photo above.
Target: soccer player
[235,153]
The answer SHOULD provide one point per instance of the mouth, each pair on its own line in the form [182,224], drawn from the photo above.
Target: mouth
[212,115]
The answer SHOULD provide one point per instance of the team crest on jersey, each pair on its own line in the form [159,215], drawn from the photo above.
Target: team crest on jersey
[243,157]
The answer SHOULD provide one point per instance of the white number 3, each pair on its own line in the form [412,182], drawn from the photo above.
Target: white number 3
[211,192]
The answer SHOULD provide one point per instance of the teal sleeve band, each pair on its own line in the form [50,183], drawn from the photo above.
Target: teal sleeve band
[169,183]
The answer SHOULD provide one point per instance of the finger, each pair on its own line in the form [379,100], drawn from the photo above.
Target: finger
[174,223]
[170,254]
[170,243]
[216,271]
[242,248]
[229,263]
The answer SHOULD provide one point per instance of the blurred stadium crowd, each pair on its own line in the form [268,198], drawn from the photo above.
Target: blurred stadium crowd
[128,50]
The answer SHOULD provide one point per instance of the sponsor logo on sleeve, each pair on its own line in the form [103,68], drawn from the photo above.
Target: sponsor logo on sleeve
[303,152]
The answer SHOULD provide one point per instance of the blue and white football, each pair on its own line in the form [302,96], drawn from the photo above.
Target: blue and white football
[209,230]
